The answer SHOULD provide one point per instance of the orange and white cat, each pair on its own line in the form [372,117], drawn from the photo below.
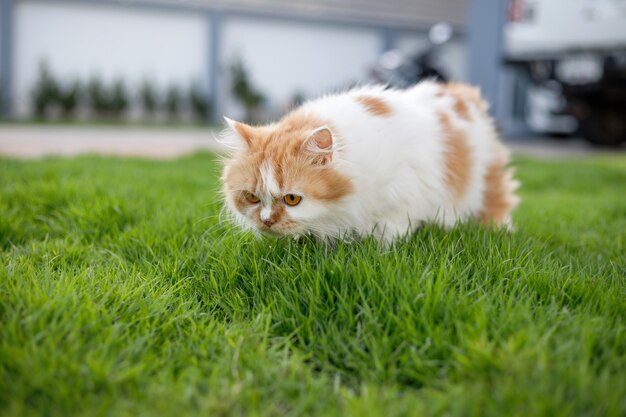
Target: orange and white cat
[371,161]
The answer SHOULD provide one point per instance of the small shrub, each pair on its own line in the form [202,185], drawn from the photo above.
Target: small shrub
[199,101]
[244,92]
[119,99]
[46,92]
[69,98]
[148,97]
[173,101]
[98,97]
[107,101]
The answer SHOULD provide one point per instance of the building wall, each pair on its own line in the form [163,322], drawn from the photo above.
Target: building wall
[454,60]
[284,55]
[285,58]
[1,33]
[406,13]
[81,40]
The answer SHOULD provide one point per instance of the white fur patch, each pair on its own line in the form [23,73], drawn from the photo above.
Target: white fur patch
[266,213]
[230,139]
[270,185]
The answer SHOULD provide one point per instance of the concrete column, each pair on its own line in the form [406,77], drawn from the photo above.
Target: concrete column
[215,70]
[485,34]
[388,37]
[6,56]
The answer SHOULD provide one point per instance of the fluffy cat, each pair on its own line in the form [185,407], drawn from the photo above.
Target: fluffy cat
[371,161]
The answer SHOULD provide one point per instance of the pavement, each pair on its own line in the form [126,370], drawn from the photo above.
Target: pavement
[27,141]
[36,141]
[557,148]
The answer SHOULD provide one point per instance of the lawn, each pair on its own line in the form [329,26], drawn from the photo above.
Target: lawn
[122,293]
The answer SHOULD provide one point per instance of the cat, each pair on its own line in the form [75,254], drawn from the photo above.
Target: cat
[370,161]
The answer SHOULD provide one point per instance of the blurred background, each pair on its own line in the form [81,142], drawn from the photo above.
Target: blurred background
[548,67]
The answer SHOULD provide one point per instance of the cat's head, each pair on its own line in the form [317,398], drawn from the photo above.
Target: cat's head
[282,179]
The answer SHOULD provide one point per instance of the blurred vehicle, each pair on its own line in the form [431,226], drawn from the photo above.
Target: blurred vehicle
[574,52]
[395,69]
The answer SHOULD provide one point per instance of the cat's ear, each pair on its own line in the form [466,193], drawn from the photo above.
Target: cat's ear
[320,143]
[237,135]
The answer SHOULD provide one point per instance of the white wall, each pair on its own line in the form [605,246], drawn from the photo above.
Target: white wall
[454,59]
[82,40]
[284,57]
[411,43]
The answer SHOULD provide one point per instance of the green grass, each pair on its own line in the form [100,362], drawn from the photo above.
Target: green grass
[121,293]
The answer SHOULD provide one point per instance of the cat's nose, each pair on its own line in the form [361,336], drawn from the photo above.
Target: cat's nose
[268,222]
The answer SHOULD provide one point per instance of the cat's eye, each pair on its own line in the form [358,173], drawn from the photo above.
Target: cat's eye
[251,198]
[292,199]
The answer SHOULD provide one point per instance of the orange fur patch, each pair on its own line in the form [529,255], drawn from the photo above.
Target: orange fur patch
[464,96]
[458,161]
[282,144]
[499,198]
[278,212]
[460,107]
[375,105]
[246,132]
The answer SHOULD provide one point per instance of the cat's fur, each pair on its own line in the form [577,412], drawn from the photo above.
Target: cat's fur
[371,161]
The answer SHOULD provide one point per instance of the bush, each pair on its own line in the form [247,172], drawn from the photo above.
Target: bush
[244,92]
[49,94]
[69,97]
[46,92]
[173,101]
[112,100]
[148,96]
[119,99]
[98,98]
[107,101]
[200,104]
